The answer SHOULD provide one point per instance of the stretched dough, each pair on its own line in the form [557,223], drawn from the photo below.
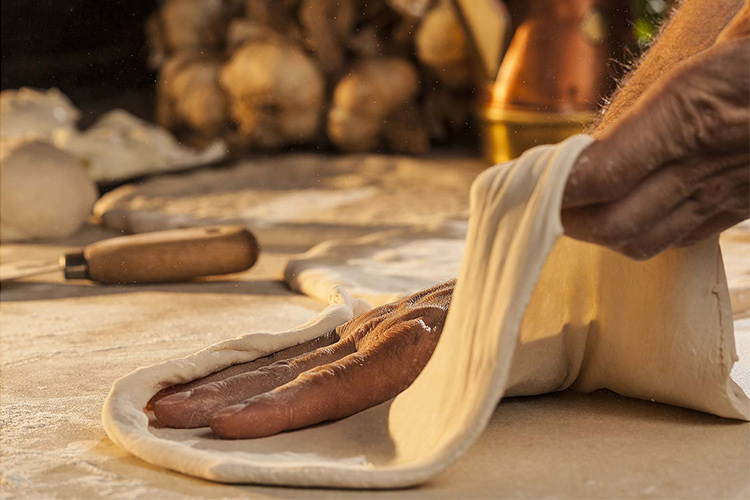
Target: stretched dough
[382,267]
[387,266]
[532,312]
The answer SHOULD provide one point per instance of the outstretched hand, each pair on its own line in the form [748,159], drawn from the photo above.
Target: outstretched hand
[361,364]
[676,168]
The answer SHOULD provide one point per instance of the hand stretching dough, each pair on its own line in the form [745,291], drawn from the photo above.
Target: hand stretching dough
[532,312]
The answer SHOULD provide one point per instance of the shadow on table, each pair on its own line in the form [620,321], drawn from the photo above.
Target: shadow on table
[22,291]
[561,445]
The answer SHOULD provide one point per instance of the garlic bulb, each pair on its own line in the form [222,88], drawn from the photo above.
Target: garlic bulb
[276,93]
[365,98]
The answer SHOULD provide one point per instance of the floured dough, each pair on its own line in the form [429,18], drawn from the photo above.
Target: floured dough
[120,145]
[34,114]
[383,267]
[44,192]
[532,312]
[386,266]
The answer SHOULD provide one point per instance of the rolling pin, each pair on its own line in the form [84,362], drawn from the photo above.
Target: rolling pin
[174,255]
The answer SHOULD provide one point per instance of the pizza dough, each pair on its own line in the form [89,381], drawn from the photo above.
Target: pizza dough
[532,312]
[382,267]
[44,192]
[34,114]
[387,266]
[120,145]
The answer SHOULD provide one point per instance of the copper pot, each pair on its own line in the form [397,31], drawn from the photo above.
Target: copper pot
[554,75]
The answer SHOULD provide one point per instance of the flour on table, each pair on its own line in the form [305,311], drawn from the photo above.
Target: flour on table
[532,312]
[299,199]
[296,204]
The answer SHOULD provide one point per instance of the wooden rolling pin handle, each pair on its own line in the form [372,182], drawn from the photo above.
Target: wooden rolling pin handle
[175,255]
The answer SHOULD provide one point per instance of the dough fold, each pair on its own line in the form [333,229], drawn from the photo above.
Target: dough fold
[533,312]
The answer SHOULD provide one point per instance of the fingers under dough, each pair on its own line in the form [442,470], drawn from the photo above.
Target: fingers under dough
[193,408]
[291,352]
[336,390]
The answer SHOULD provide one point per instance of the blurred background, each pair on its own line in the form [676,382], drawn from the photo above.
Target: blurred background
[106,55]
[94,52]
[121,91]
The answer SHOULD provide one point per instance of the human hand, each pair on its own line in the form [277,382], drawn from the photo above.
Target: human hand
[362,363]
[676,168]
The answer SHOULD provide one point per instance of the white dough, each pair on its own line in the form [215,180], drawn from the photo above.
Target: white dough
[387,266]
[120,145]
[44,192]
[34,114]
[381,267]
[532,312]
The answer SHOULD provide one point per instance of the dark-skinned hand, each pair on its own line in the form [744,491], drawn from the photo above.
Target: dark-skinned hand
[676,168]
[362,363]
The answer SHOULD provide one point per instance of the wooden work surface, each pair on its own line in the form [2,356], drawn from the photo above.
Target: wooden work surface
[62,345]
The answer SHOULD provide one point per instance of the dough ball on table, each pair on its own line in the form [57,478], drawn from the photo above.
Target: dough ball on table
[120,145]
[44,192]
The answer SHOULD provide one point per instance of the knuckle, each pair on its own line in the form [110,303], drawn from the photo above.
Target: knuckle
[711,196]
[706,100]
[610,183]
[614,231]
[604,182]
[680,187]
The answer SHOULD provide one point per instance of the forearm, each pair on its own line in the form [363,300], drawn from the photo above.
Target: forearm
[692,28]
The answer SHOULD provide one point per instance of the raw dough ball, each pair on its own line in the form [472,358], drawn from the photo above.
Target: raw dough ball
[31,114]
[44,192]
